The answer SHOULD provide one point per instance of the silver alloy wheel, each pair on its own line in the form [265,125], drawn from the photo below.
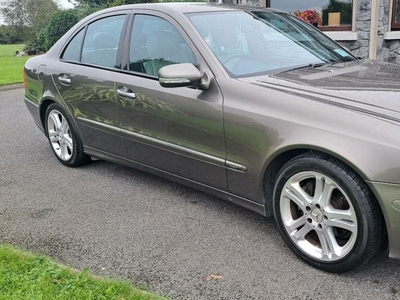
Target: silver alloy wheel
[60,135]
[318,216]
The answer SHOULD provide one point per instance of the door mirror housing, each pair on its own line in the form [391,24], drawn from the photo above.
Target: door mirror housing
[179,75]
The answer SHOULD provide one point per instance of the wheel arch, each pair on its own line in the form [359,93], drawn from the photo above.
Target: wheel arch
[276,161]
[44,104]
[78,156]
[371,237]
[42,111]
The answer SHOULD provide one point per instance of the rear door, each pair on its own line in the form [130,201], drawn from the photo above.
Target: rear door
[178,130]
[85,77]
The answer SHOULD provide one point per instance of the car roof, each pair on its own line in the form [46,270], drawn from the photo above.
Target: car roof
[174,9]
[190,7]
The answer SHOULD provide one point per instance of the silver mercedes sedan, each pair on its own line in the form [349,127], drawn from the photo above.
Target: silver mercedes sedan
[251,105]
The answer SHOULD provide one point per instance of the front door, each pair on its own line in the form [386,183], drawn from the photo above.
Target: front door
[177,130]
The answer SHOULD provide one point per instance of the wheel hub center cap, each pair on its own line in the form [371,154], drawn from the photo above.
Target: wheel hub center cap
[317,215]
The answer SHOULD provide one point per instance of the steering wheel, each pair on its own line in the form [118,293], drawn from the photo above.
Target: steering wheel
[232,56]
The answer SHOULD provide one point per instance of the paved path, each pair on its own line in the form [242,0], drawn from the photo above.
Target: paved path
[121,222]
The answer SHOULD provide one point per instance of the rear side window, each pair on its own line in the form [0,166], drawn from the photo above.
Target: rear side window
[100,46]
[73,51]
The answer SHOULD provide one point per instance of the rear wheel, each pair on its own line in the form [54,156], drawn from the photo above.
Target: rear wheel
[326,214]
[63,137]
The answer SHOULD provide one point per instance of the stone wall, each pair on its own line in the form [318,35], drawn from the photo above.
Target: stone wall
[388,50]
[360,48]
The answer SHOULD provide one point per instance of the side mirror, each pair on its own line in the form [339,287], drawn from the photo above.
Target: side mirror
[179,75]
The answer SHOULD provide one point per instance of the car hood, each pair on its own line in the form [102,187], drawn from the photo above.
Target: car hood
[366,86]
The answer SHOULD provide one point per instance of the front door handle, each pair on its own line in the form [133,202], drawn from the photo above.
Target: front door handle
[123,91]
[64,80]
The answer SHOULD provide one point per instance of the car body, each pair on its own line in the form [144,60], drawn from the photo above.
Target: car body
[177,90]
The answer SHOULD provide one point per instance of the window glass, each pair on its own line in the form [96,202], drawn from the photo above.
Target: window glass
[330,13]
[101,41]
[397,5]
[265,42]
[73,51]
[156,43]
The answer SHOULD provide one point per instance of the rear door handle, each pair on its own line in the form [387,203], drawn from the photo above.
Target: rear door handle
[123,91]
[64,80]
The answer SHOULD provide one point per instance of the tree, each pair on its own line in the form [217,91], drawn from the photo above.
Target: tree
[84,9]
[58,25]
[27,17]
[94,2]
[7,35]
[109,3]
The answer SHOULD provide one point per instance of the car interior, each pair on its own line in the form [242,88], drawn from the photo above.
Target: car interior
[161,48]
[104,51]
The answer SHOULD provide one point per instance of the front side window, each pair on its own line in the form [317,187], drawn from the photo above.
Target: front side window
[324,14]
[396,14]
[249,43]
[100,46]
[156,43]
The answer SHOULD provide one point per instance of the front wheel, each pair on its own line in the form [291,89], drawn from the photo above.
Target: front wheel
[326,213]
[63,137]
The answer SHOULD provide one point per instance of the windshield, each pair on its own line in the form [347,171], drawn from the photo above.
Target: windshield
[265,42]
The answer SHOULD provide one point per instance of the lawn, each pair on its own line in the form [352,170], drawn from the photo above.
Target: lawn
[27,276]
[11,67]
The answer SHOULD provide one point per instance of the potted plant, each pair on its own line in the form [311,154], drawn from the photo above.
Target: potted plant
[309,16]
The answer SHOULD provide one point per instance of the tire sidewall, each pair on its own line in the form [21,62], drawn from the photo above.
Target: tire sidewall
[347,182]
[73,160]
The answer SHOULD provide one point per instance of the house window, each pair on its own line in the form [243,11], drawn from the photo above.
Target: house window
[396,14]
[329,15]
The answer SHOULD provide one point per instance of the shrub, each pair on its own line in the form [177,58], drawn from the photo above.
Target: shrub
[58,25]
[8,35]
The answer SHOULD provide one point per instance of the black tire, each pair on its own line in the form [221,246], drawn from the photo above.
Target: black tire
[70,155]
[364,234]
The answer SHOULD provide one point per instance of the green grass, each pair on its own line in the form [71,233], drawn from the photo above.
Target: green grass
[9,50]
[27,276]
[11,67]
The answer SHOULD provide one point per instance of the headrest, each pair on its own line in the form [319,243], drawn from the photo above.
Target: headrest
[163,44]
[103,40]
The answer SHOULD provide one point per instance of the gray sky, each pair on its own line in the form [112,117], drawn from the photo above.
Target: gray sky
[65,4]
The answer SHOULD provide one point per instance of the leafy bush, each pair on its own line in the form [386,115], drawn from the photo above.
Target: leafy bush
[39,43]
[83,9]
[8,35]
[58,25]
[63,20]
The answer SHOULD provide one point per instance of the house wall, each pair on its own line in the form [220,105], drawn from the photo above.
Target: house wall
[388,49]
[387,45]
[360,47]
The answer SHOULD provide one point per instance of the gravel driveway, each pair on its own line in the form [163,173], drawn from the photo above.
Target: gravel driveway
[120,222]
